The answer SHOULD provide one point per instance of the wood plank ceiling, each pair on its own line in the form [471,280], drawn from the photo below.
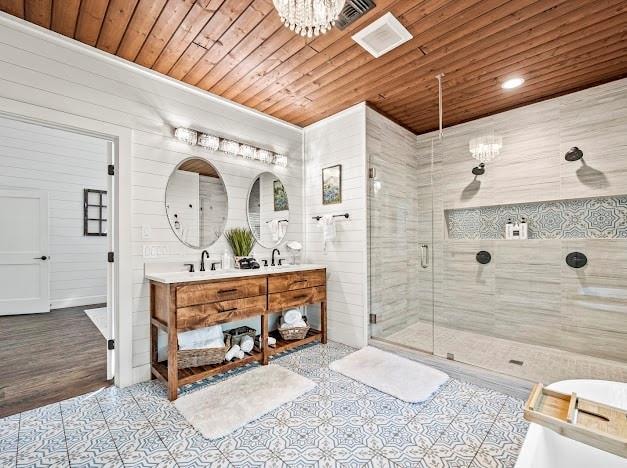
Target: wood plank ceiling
[240,50]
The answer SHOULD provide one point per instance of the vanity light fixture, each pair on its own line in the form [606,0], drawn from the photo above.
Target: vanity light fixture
[209,141]
[280,160]
[186,135]
[230,147]
[247,151]
[512,83]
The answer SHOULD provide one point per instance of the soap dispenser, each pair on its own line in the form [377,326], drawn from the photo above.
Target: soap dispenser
[523,229]
[509,228]
[516,231]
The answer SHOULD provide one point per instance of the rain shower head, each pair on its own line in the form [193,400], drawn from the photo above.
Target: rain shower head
[573,154]
[479,170]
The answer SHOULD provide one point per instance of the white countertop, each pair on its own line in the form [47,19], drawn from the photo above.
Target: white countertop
[186,277]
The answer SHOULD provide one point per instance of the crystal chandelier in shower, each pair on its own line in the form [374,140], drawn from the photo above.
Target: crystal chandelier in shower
[309,17]
[486,148]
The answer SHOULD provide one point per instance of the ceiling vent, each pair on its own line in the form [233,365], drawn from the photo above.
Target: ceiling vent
[382,35]
[352,11]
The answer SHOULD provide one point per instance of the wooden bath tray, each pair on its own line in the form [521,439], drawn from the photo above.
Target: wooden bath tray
[596,424]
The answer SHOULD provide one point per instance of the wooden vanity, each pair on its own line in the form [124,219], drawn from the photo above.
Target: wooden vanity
[178,302]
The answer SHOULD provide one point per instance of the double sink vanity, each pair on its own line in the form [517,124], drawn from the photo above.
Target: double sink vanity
[184,301]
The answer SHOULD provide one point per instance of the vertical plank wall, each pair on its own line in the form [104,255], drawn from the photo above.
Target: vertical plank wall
[42,68]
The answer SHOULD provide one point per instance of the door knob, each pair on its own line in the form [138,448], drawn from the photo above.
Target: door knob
[43,257]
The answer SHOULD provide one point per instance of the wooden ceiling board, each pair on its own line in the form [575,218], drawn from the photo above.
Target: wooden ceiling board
[240,50]
[65,16]
[38,12]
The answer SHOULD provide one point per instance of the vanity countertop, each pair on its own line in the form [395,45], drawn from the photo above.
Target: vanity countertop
[187,277]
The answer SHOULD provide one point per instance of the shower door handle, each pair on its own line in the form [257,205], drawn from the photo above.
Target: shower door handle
[424,256]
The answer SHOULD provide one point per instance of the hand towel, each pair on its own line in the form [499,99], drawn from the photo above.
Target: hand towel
[328,229]
[274,226]
[271,341]
[291,315]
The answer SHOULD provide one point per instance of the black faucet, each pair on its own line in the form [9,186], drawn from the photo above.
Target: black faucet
[202,259]
[277,251]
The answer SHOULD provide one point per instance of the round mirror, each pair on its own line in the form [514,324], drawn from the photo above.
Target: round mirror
[196,203]
[268,210]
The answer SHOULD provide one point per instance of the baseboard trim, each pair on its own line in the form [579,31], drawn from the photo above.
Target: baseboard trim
[77,302]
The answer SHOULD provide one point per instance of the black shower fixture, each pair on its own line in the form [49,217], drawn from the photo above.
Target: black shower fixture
[479,170]
[573,154]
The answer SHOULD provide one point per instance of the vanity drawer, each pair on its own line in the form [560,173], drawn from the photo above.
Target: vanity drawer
[219,312]
[298,297]
[296,280]
[194,294]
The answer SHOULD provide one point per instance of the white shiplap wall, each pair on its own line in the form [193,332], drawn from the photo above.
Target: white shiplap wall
[340,139]
[42,68]
[62,164]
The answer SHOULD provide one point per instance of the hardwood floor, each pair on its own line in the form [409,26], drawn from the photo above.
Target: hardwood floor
[50,357]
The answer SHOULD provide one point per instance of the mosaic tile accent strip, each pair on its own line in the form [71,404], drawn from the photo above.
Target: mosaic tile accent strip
[588,218]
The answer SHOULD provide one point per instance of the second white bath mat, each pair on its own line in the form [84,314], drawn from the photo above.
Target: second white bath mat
[220,409]
[402,378]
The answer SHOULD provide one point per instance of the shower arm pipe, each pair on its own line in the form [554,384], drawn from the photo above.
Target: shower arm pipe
[439,78]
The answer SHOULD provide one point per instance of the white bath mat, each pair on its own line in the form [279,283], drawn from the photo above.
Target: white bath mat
[402,378]
[99,317]
[220,409]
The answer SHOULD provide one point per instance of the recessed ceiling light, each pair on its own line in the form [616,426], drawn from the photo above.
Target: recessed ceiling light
[512,83]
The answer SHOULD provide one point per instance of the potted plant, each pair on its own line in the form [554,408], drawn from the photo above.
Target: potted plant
[241,241]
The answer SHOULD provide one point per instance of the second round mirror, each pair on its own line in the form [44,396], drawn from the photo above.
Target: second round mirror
[268,210]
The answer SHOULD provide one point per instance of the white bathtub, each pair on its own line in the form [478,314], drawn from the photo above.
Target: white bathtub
[544,448]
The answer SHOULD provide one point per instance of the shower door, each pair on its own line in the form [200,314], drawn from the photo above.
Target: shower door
[400,251]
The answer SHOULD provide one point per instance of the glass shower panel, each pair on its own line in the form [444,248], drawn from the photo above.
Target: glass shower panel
[401,246]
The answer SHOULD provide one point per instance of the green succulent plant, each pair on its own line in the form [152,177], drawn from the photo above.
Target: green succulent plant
[241,241]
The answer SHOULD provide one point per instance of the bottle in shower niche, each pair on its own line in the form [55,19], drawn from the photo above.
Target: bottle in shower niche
[516,231]
[524,233]
[509,229]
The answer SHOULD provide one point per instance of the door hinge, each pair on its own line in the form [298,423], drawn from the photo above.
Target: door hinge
[372,173]
[110,344]
[111,169]
[373,318]
[110,257]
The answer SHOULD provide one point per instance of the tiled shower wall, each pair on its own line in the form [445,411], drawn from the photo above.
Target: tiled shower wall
[527,293]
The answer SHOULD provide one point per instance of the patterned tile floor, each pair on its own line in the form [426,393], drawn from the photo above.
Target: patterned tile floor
[340,423]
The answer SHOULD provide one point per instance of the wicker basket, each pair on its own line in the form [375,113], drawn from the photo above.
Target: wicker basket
[203,357]
[294,333]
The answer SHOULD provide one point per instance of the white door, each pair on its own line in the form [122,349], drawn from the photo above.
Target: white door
[24,259]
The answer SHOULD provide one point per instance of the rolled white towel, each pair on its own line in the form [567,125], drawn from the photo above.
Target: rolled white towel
[291,316]
[232,353]
[298,323]
[215,343]
[271,341]
[240,354]
[246,344]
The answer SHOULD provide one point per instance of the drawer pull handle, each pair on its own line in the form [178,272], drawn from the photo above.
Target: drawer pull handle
[301,297]
[224,291]
[229,310]
[297,282]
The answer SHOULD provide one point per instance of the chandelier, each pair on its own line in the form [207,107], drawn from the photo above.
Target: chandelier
[486,148]
[309,17]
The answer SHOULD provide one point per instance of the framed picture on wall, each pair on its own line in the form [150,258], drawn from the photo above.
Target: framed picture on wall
[332,185]
[280,197]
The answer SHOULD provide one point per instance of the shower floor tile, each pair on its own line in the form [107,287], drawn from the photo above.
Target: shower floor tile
[540,363]
[341,423]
